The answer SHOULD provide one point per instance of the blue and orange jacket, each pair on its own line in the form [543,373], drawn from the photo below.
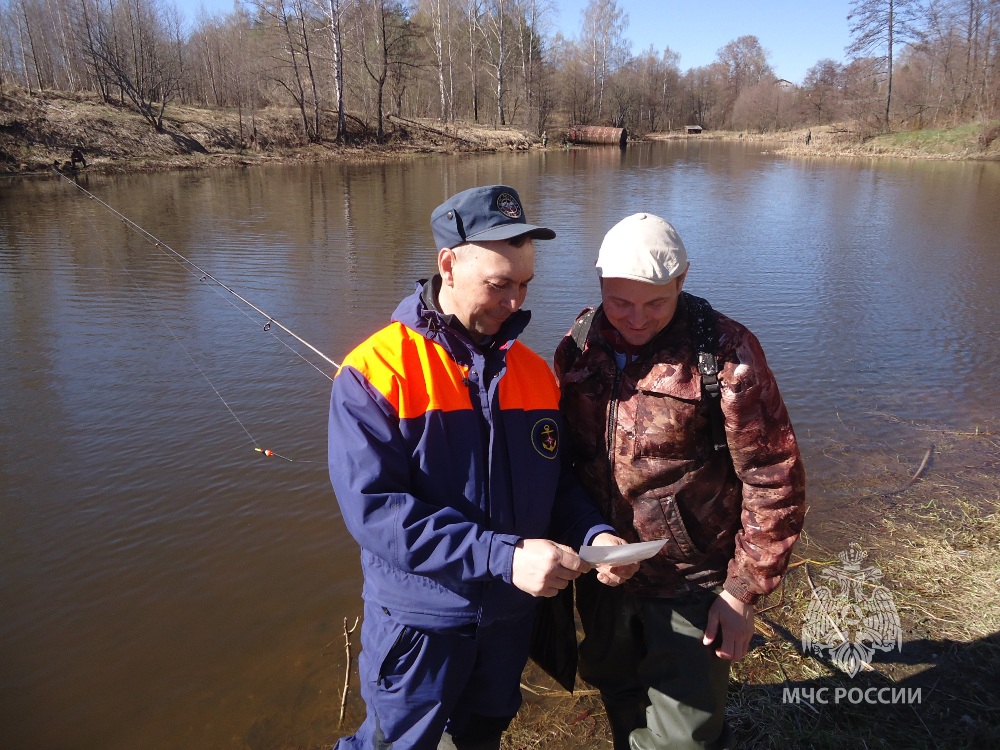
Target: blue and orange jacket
[443,457]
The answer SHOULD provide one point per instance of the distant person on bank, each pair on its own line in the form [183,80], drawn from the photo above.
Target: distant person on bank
[446,455]
[719,478]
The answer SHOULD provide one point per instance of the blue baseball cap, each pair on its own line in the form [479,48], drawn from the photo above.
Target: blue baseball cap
[493,212]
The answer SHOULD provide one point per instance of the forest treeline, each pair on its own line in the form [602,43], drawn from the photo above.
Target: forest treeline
[346,66]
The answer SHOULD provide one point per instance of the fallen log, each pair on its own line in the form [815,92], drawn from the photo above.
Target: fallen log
[428,128]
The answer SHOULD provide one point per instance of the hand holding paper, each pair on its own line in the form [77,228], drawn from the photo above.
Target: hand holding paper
[621,554]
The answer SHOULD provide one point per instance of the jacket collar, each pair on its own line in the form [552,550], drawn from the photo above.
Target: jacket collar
[420,313]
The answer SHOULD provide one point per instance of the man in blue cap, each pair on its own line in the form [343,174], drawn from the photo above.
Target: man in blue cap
[445,454]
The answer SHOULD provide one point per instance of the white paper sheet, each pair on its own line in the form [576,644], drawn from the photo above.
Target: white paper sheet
[621,554]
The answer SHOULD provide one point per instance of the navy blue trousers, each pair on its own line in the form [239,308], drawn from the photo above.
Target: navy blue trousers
[418,684]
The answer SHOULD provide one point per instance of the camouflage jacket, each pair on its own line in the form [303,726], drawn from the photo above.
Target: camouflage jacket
[642,442]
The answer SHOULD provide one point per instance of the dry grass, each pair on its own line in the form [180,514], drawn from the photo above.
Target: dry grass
[956,143]
[968,141]
[39,129]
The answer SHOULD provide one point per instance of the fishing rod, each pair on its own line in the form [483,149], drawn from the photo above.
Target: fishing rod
[205,275]
[157,242]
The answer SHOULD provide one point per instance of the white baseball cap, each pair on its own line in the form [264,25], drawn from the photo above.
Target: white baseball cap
[642,247]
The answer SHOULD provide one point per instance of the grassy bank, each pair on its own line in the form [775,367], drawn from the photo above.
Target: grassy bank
[41,129]
[937,542]
[977,141]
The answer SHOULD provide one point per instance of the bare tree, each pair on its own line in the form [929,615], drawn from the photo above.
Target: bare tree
[670,87]
[530,16]
[334,11]
[294,72]
[474,33]
[745,63]
[136,47]
[572,79]
[705,95]
[654,80]
[16,45]
[960,47]
[305,23]
[604,25]
[439,18]
[7,47]
[224,60]
[383,48]
[65,53]
[770,104]
[498,49]
[822,90]
[450,47]
[28,31]
[545,95]
[878,29]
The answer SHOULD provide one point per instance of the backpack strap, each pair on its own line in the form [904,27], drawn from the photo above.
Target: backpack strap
[579,332]
[581,327]
[706,342]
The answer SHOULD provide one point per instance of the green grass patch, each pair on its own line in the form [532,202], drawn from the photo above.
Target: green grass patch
[967,137]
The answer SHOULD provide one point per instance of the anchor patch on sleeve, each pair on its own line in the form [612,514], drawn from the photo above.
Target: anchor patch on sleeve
[545,438]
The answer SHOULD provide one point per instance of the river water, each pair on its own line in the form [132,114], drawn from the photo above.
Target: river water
[164,585]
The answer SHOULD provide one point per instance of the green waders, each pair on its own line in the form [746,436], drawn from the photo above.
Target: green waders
[662,688]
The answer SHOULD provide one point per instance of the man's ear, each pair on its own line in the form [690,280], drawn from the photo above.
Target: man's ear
[680,279]
[446,265]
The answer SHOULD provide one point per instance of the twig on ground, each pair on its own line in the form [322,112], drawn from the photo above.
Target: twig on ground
[916,475]
[347,667]
[556,693]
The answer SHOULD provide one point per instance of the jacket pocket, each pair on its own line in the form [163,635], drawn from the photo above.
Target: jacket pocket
[667,426]
[682,539]
[680,547]
[395,664]
[385,643]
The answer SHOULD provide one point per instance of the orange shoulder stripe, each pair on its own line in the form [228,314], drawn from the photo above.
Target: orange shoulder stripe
[529,383]
[432,381]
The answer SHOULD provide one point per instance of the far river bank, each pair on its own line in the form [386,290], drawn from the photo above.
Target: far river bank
[39,131]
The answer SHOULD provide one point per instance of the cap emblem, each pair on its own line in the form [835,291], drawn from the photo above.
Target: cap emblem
[507,205]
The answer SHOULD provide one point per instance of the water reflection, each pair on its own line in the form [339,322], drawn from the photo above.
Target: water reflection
[165,586]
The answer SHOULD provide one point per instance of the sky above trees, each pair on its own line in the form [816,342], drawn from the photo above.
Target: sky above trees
[796,33]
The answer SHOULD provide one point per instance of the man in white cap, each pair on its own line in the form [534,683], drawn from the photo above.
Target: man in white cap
[680,434]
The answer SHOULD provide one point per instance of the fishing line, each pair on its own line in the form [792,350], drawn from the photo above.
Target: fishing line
[208,380]
[188,265]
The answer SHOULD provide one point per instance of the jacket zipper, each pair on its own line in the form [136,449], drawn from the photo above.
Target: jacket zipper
[612,421]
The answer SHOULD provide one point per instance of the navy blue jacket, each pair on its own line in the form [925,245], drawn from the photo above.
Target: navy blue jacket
[443,456]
